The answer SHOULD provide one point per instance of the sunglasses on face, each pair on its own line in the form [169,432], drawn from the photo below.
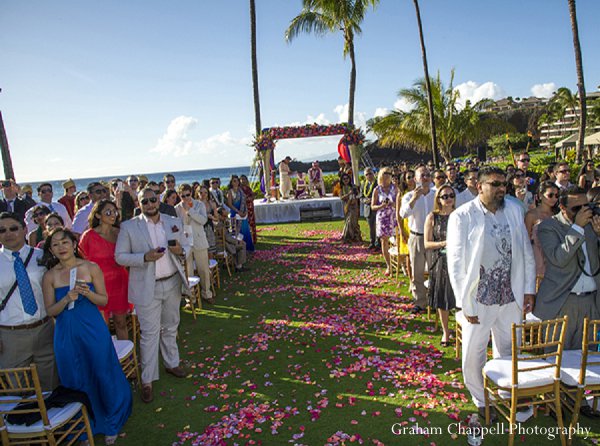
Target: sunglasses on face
[133,180]
[39,214]
[524,160]
[496,183]
[11,229]
[186,195]
[446,196]
[440,178]
[45,191]
[519,175]
[145,201]
[110,212]
[6,184]
[471,179]
[425,175]
[409,177]
[85,197]
[170,181]
[99,191]
[552,195]
[564,171]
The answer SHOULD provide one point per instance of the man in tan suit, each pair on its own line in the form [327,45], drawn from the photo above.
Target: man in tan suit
[153,246]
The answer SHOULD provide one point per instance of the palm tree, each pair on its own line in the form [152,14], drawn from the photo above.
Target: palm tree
[428,86]
[9,172]
[580,82]
[323,16]
[257,122]
[468,126]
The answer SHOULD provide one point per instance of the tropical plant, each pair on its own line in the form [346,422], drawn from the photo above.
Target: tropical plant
[467,126]
[580,81]
[323,16]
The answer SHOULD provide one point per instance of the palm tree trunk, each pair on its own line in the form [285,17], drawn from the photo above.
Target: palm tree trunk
[257,123]
[428,86]
[350,42]
[9,173]
[580,82]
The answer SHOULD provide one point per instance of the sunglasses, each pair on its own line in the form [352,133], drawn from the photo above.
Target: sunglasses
[519,175]
[145,201]
[552,195]
[39,214]
[133,180]
[425,175]
[564,171]
[446,196]
[525,160]
[45,191]
[99,191]
[409,177]
[170,181]
[440,178]
[84,197]
[186,195]
[11,229]
[110,212]
[496,183]
[471,179]
[6,184]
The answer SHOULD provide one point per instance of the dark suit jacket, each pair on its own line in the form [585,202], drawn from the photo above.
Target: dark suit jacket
[20,207]
[563,254]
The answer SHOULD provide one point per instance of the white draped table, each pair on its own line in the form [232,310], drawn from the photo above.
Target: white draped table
[289,210]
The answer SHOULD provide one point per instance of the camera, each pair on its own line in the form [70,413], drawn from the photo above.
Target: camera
[355,190]
[594,207]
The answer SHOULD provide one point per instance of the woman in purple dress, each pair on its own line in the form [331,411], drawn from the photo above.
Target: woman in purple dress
[384,203]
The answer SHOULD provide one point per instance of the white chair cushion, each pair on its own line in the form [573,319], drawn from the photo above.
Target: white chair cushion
[571,367]
[460,318]
[56,416]
[499,370]
[393,251]
[529,317]
[212,263]
[123,348]
[193,281]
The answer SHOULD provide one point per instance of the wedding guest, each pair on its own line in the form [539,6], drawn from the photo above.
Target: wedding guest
[216,192]
[384,203]
[454,179]
[301,187]
[439,178]
[238,211]
[27,196]
[440,294]
[586,175]
[370,215]
[349,195]
[134,182]
[97,245]
[124,198]
[212,218]
[38,214]
[547,207]
[97,192]
[250,196]
[143,181]
[470,193]
[235,247]
[549,173]
[193,215]
[517,187]
[51,222]
[68,198]
[45,193]
[562,171]
[416,205]
[81,199]
[170,197]
[26,331]
[285,182]
[156,277]
[407,184]
[85,354]
[163,208]
[315,179]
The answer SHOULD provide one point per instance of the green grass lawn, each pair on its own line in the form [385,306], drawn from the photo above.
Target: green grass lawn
[313,346]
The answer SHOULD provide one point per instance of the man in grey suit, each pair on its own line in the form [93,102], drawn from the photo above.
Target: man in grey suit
[571,282]
[153,246]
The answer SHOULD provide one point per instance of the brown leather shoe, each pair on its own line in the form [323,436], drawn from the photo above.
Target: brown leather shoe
[177,372]
[147,394]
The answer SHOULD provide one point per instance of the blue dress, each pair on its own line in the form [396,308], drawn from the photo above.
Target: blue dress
[87,361]
[239,201]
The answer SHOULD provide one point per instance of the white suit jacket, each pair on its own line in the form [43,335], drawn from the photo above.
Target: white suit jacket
[133,242]
[196,217]
[464,247]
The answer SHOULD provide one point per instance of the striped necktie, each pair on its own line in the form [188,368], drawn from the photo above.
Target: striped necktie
[25,290]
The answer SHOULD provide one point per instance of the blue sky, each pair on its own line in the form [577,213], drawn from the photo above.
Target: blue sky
[114,87]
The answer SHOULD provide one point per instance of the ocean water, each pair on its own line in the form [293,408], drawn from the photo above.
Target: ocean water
[186,176]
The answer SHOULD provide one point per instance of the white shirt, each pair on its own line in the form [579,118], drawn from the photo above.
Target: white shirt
[417,215]
[464,197]
[561,187]
[54,206]
[14,314]
[585,283]
[80,221]
[164,266]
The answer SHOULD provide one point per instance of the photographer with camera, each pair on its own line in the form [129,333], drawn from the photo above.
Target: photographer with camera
[569,241]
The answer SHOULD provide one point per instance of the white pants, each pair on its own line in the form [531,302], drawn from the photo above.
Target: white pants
[159,321]
[497,320]
[200,256]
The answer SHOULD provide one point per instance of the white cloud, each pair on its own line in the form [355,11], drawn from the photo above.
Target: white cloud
[543,90]
[474,92]
[310,119]
[403,105]
[176,141]
[219,142]
[360,118]
[380,112]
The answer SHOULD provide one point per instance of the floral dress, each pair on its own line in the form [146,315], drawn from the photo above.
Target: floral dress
[385,222]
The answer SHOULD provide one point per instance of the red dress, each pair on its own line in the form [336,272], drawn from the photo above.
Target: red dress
[250,206]
[116,278]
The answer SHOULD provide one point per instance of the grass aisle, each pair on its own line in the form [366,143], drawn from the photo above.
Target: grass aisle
[313,346]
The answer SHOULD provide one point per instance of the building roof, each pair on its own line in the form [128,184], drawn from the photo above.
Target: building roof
[592,139]
[568,141]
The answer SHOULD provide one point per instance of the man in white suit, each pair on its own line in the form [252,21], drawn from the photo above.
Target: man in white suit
[153,246]
[492,272]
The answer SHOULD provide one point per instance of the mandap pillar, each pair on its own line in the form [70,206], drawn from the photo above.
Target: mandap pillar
[266,157]
[355,156]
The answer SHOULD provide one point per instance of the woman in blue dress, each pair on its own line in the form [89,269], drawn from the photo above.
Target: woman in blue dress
[85,355]
[236,201]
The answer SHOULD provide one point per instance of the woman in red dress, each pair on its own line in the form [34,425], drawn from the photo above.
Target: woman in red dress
[97,245]
[245,185]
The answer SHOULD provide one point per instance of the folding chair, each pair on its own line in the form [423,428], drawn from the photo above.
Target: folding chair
[194,286]
[221,254]
[128,359]
[531,376]
[57,425]
[580,372]
[215,277]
